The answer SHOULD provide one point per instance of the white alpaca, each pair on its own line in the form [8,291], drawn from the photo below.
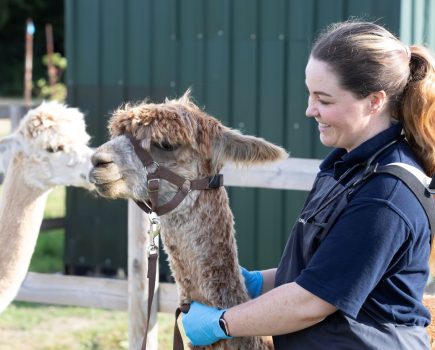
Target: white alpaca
[49,148]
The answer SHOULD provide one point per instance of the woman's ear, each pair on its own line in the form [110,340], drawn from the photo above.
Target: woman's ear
[377,101]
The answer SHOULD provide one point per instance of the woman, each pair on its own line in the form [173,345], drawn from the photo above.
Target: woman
[354,269]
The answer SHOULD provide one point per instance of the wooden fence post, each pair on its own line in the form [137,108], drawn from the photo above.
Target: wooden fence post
[138,224]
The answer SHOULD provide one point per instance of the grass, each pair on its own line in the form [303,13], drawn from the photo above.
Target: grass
[29,326]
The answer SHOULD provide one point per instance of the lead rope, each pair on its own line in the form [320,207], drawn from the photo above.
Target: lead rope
[178,340]
[153,255]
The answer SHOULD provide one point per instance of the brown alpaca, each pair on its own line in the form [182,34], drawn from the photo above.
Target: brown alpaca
[198,235]
[429,303]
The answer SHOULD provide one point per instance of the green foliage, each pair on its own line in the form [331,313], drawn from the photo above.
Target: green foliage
[58,90]
[58,61]
[13,16]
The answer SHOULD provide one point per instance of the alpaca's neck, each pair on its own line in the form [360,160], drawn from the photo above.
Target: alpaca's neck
[21,214]
[202,250]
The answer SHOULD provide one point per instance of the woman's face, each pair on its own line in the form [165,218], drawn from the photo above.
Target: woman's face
[344,120]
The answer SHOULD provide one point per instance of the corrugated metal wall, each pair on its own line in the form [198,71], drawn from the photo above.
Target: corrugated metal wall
[243,59]
[418,22]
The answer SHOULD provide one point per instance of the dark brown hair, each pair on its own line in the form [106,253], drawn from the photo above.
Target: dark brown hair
[368,58]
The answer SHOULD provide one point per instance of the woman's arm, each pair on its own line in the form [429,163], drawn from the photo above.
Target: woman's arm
[287,308]
[268,280]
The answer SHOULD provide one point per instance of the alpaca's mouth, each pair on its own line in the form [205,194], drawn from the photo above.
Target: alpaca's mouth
[107,189]
[98,182]
[98,177]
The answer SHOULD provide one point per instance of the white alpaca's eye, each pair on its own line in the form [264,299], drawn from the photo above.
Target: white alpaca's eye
[54,149]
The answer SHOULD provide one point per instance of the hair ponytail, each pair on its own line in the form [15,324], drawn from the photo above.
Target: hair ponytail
[417,110]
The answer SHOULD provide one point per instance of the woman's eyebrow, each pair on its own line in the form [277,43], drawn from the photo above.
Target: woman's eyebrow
[318,92]
[322,93]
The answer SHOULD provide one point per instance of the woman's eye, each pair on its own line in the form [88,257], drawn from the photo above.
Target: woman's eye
[324,102]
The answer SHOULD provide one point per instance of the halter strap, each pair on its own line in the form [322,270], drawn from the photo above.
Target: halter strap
[156,172]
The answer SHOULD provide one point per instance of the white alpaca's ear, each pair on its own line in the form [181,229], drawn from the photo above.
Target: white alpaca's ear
[8,146]
[231,145]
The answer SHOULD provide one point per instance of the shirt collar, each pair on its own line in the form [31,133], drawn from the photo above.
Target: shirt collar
[339,159]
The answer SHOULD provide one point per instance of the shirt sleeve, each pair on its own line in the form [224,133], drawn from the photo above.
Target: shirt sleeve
[360,247]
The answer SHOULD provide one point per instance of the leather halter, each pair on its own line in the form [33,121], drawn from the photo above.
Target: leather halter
[156,172]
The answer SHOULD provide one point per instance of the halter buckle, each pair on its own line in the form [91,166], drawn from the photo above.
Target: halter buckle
[153,185]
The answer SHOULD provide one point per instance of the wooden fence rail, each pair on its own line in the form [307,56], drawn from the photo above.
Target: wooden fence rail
[131,295]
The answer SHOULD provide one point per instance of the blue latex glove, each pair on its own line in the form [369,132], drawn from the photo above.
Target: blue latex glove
[253,282]
[201,324]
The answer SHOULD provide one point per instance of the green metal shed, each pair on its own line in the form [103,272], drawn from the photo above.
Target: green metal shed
[243,59]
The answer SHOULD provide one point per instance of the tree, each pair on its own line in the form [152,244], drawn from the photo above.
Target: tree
[13,16]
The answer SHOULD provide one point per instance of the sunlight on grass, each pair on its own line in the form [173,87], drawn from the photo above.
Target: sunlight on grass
[55,207]
[28,326]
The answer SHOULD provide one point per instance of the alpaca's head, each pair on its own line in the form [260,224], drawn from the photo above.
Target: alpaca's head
[53,140]
[178,135]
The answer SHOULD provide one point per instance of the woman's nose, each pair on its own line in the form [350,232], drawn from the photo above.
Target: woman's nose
[310,111]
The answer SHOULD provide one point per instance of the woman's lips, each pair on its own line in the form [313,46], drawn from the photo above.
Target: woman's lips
[323,126]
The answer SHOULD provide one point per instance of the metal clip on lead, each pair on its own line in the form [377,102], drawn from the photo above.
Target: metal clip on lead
[153,231]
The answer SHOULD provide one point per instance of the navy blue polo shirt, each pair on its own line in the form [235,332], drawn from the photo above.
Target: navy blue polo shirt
[375,256]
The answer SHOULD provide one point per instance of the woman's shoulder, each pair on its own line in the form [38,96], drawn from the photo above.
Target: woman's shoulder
[390,190]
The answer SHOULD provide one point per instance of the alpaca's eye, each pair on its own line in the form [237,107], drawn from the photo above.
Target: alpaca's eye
[54,149]
[165,146]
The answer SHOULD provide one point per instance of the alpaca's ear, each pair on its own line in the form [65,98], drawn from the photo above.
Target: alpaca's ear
[8,146]
[231,145]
